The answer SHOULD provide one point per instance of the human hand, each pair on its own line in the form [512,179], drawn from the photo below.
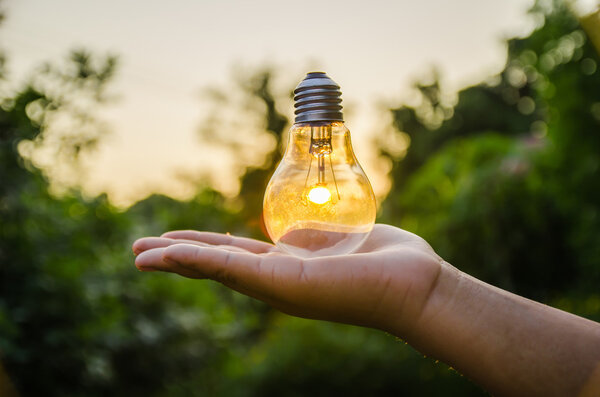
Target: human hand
[397,283]
[385,285]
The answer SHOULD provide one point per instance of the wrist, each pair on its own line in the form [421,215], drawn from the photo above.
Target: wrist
[416,304]
[441,298]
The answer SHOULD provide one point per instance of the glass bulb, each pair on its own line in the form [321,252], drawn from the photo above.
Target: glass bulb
[319,201]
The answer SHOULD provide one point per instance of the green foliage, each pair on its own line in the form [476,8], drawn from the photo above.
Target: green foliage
[258,102]
[504,184]
[507,188]
[300,357]
[75,317]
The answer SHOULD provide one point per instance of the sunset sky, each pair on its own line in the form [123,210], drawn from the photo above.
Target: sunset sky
[170,51]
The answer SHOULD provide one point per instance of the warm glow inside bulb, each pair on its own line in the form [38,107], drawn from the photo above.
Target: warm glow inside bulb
[319,195]
[319,201]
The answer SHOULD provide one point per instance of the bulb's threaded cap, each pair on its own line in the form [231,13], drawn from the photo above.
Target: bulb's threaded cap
[318,98]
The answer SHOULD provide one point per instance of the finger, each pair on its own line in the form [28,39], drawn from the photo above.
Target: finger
[264,274]
[212,262]
[147,243]
[242,271]
[249,244]
[152,260]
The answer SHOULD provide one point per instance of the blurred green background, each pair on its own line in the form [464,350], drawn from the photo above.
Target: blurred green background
[504,182]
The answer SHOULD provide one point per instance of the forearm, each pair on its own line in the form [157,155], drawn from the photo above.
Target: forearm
[508,344]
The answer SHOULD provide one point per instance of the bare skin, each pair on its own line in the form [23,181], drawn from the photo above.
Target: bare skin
[397,283]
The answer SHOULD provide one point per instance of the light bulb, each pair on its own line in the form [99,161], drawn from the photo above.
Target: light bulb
[319,201]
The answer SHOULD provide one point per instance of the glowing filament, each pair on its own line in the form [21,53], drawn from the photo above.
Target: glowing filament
[319,195]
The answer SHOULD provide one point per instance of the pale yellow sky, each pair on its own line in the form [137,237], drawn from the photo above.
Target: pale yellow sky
[169,51]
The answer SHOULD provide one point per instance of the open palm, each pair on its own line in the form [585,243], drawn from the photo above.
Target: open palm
[384,285]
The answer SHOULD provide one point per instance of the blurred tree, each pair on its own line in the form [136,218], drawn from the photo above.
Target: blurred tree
[254,101]
[506,187]
[40,306]
[75,318]
[255,179]
[300,357]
